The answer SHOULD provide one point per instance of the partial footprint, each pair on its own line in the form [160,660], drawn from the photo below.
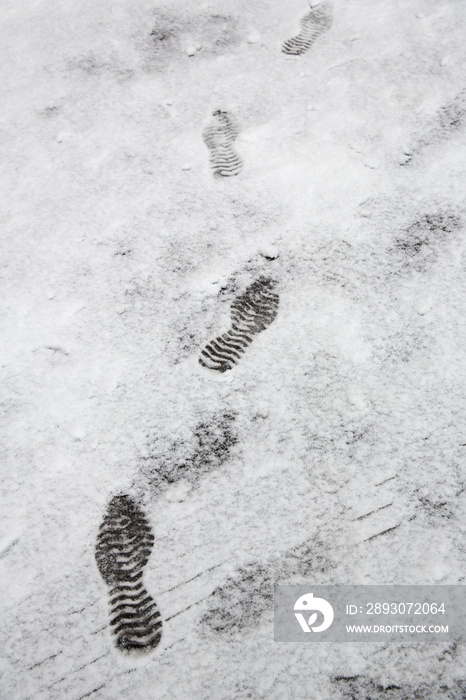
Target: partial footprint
[219,138]
[448,121]
[123,548]
[251,313]
[317,21]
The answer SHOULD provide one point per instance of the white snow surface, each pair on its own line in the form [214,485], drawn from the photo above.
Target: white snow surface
[121,255]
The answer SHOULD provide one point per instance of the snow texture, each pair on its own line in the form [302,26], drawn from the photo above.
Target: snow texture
[334,451]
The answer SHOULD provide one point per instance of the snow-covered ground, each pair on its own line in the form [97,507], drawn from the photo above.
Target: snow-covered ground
[121,256]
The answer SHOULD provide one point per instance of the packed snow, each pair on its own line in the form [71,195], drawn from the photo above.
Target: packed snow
[122,254]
